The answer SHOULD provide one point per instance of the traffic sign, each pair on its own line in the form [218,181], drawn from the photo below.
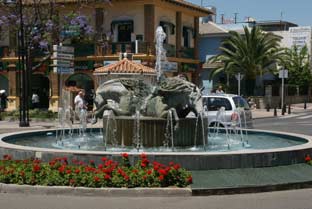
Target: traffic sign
[63,59]
[60,55]
[283,74]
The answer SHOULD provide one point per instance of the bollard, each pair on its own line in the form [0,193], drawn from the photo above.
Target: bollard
[284,109]
[275,112]
[305,105]
[289,109]
[267,108]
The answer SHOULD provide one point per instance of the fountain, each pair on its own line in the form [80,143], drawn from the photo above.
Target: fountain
[156,118]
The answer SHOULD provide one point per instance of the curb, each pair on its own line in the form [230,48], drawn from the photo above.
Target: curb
[251,189]
[100,192]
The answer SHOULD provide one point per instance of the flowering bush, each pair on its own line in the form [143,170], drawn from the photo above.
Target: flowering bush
[58,172]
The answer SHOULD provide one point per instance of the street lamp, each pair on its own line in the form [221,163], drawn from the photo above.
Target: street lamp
[22,57]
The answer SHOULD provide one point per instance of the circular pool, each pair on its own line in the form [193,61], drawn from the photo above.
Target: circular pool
[259,149]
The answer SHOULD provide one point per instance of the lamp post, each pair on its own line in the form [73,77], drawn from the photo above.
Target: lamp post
[23,76]
[24,107]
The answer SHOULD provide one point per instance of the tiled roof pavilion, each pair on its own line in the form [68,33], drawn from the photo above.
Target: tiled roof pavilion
[123,67]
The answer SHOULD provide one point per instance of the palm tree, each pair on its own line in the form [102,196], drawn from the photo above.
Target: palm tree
[251,53]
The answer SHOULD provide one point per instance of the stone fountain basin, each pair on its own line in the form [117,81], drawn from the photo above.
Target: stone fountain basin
[190,160]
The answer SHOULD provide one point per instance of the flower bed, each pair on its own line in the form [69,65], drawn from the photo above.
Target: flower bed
[58,172]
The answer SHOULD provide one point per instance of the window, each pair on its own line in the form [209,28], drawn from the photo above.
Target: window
[240,103]
[188,33]
[122,30]
[215,103]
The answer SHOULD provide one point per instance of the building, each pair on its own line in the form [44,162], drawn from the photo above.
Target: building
[122,26]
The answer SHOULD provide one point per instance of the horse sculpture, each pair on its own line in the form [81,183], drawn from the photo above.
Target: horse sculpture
[125,96]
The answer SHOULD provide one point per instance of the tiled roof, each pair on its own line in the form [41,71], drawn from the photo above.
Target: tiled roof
[191,5]
[125,66]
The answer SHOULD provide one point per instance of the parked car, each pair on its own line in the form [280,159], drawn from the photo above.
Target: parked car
[231,103]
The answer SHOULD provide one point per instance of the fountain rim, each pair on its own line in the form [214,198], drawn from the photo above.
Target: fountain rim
[306,145]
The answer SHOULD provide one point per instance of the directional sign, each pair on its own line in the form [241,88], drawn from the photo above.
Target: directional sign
[63,59]
[63,63]
[59,55]
[62,70]
[64,49]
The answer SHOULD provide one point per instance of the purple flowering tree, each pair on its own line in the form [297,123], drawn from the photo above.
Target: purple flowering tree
[45,25]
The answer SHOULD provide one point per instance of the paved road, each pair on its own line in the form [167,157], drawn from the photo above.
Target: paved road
[295,123]
[299,199]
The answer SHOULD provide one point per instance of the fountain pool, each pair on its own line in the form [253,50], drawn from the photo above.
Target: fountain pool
[264,149]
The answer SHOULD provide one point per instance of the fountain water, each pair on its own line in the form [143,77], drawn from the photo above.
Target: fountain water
[160,51]
[136,131]
[169,134]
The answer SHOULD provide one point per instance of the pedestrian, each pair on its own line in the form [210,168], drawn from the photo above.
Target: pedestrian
[79,102]
[3,100]
[220,90]
[35,100]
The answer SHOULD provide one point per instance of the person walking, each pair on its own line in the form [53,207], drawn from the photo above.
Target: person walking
[3,100]
[35,100]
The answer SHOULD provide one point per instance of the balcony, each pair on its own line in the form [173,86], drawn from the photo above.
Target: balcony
[109,48]
[171,50]
[188,53]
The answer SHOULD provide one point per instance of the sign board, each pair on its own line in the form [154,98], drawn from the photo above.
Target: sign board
[169,66]
[239,76]
[63,59]
[65,70]
[300,36]
[283,74]
[109,62]
[208,84]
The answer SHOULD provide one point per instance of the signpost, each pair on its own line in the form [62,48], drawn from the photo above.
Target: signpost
[63,61]
[283,74]
[239,77]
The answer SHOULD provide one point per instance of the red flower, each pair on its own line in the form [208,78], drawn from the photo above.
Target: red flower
[61,169]
[77,171]
[125,155]
[161,177]
[149,172]
[91,161]
[36,168]
[71,181]
[7,157]
[307,158]
[162,172]
[107,177]
[126,177]
[135,171]
[143,156]
[144,177]
[96,178]
[189,179]
[100,166]
[36,161]
[22,173]
[52,163]
[104,159]
[68,171]
[177,166]
[143,165]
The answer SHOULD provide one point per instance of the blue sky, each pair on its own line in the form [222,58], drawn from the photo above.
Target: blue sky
[297,11]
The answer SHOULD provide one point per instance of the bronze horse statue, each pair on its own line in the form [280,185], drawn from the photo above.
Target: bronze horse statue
[125,96]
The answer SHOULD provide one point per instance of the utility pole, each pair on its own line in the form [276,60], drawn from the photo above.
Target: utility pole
[222,18]
[235,17]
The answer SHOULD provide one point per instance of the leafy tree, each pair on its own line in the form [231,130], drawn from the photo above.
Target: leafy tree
[251,53]
[297,61]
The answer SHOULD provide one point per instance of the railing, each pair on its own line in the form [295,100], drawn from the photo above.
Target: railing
[171,50]
[188,53]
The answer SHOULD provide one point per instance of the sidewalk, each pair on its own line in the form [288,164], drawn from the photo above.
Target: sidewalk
[295,109]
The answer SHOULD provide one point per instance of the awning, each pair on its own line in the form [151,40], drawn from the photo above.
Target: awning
[122,22]
[169,24]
